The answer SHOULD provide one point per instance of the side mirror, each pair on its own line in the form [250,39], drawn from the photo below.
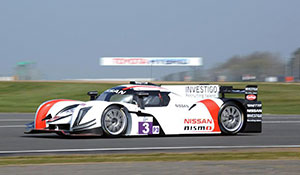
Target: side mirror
[93,95]
[140,101]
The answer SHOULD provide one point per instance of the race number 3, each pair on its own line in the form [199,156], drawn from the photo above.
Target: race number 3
[145,127]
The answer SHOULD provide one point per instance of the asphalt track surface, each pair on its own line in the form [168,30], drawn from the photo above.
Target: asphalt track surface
[278,132]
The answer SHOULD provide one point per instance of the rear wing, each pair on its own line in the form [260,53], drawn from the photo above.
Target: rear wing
[250,91]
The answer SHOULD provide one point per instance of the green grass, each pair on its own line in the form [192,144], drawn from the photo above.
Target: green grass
[22,160]
[277,98]
[26,96]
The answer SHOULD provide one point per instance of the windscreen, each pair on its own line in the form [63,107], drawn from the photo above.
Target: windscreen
[116,95]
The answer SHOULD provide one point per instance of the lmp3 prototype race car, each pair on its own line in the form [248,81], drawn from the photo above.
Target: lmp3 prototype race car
[148,109]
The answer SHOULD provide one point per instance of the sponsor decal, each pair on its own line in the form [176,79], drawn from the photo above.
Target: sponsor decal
[254,110]
[129,61]
[198,124]
[254,105]
[251,88]
[202,91]
[251,97]
[254,115]
[195,91]
[153,61]
[197,128]
[144,61]
[181,106]
[198,121]
[116,91]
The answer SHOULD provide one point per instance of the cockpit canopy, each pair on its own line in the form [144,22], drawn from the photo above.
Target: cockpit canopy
[117,94]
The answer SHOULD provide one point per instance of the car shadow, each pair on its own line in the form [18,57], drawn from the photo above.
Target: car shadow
[60,137]
[53,136]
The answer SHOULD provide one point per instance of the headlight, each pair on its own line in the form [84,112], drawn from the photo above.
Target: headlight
[67,111]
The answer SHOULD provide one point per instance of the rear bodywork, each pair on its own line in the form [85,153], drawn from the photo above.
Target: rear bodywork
[179,109]
[251,106]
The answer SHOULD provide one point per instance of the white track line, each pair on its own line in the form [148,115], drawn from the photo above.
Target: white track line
[13,126]
[283,122]
[147,148]
[288,117]
[15,120]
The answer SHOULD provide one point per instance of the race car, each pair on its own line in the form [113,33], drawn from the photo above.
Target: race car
[140,109]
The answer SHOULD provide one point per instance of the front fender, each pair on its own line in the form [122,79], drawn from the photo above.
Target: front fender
[50,107]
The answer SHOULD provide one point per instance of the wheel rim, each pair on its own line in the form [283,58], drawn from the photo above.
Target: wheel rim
[114,121]
[231,118]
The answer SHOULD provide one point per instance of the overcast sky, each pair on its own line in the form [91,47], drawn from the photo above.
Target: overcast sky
[66,38]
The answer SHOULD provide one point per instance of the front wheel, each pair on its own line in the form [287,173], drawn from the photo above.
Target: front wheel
[114,121]
[231,118]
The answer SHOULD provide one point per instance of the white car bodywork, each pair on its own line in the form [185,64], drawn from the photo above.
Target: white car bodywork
[192,109]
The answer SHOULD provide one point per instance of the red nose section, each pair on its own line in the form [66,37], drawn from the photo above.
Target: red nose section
[42,112]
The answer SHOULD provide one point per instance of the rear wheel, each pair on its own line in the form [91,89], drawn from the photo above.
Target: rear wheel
[231,118]
[114,121]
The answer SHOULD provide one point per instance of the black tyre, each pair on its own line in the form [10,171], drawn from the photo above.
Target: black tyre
[231,118]
[60,134]
[114,121]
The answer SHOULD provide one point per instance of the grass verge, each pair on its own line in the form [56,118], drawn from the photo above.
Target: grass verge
[216,156]
[277,98]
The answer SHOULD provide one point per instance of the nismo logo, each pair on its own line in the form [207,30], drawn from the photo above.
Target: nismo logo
[197,128]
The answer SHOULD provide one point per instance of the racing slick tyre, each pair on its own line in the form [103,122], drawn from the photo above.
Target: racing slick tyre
[231,118]
[114,121]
